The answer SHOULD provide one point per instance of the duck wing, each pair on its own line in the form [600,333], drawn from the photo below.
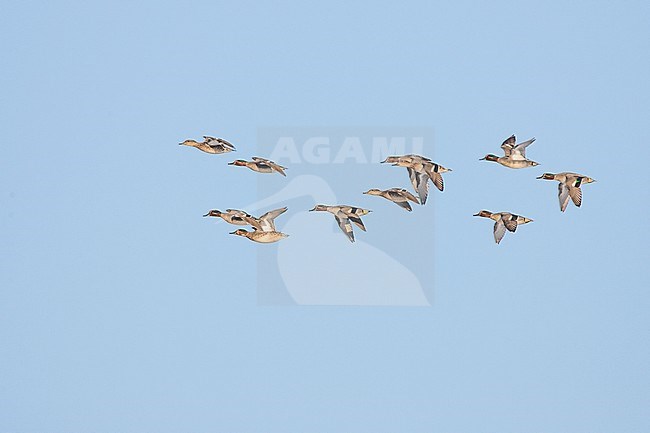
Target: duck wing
[344,224]
[437,181]
[563,195]
[219,143]
[267,220]
[509,144]
[403,205]
[400,197]
[420,182]
[237,212]
[499,230]
[357,220]
[266,161]
[576,195]
[279,169]
[519,151]
[406,194]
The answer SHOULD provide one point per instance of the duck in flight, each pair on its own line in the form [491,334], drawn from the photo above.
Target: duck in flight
[514,154]
[343,215]
[503,221]
[210,145]
[260,165]
[264,230]
[420,170]
[231,216]
[399,196]
[569,187]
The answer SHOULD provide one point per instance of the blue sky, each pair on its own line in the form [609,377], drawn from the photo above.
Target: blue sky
[121,309]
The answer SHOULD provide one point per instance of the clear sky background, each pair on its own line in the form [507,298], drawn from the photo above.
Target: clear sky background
[121,310]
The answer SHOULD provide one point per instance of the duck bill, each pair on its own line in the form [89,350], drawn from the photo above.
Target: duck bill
[231,163]
[477,214]
[540,177]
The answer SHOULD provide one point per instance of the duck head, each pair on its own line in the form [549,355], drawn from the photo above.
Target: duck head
[547,176]
[490,157]
[189,143]
[373,191]
[239,232]
[484,214]
[213,213]
[391,159]
[238,162]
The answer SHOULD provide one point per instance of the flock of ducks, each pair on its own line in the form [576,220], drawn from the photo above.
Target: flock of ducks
[420,169]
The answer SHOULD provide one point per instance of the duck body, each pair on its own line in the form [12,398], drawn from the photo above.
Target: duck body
[344,215]
[514,154]
[399,196]
[503,221]
[210,145]
[510,163]
[260,165]
[568,187]
[261,236]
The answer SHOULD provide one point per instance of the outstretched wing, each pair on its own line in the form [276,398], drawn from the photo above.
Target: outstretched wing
[576,195]
[499,230]
[508,145]
[437,181]
[420,182]
[357,220]
[267,220]
[563,194]
[273,214]
[519,151]
[404,205]
[344,224]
